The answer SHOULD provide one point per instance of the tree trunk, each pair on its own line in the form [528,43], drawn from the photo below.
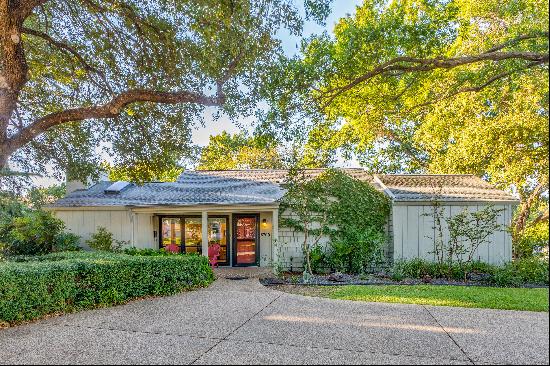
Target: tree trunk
[13,68]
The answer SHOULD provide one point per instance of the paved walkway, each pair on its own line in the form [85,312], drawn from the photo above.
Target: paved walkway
[241,322]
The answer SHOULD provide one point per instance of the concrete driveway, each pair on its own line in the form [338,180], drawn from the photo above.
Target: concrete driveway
[241,322]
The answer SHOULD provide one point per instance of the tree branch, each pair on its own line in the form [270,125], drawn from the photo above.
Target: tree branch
[405,64]
[477,88]
[110,109]
[61,46]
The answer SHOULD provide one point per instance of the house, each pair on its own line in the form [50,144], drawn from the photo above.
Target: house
[239,210]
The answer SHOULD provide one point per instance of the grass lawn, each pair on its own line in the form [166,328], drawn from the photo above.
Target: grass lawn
[531,299]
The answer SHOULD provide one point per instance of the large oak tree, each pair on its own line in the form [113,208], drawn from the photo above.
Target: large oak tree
[130,77]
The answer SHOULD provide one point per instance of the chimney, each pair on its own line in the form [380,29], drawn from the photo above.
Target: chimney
[74,184]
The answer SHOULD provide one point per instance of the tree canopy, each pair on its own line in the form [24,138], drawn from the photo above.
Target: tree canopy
[226,151]
[128,78]
[429,86]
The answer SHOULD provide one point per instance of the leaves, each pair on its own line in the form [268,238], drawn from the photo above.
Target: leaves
[238,151]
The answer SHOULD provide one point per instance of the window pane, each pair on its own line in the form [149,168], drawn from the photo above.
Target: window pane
[193,235]
[217,234]
[171,234]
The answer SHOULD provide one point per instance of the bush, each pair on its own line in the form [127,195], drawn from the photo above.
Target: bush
[103,240]
[358,255]
[34,233]
[66,242]
[318,259]
[523,271]
[533,242]
[532,271]
[67,282]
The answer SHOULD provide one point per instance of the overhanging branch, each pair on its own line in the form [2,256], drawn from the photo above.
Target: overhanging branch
[405,64]
[110,109]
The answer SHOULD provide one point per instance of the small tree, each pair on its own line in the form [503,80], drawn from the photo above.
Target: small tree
[103,239]
[308,212]
[467,232]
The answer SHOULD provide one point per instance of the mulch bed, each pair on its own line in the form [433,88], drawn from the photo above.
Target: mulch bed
[340,279]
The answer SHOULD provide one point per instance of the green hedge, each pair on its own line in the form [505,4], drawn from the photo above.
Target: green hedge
[65,282]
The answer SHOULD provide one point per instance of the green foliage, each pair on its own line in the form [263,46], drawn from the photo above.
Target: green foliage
[103,240]
[35,232]
[39,197]
[468,230]
[67,282]
[318,258]
[351,213]
[533,241]
[239,151]
[209,48]
[518,273]
[147,252]
[529,270]
[359,254]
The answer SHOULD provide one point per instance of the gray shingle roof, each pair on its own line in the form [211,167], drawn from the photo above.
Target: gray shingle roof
[191,189]
[443,187]
[259,186]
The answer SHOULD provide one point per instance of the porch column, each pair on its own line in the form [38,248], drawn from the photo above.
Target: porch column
[275,235]
[204,235]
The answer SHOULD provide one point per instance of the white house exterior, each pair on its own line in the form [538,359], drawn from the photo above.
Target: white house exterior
[239,210]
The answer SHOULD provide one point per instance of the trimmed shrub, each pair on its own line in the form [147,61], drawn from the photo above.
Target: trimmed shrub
[148,252]
[67,282]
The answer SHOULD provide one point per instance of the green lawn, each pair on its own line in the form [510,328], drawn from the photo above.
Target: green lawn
[461,296]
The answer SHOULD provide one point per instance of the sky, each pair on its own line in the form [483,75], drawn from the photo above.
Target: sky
[290,44]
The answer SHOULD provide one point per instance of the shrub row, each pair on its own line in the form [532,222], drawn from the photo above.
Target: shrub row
[65,282]
[521,272]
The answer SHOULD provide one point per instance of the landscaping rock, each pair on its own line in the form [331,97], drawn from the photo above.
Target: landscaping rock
[479,277]
[272,281]
[337,277]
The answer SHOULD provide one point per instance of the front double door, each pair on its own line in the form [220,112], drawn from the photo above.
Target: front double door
[184,235]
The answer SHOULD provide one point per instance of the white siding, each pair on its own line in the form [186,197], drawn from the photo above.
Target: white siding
[413,232]
[265,238]
[85,222]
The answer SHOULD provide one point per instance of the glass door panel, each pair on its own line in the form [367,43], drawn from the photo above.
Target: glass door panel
[193,235]
[171,234]
[217,234]
[245,240]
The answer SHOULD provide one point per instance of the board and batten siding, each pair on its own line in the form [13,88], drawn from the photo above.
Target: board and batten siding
[136,228]
[412,230]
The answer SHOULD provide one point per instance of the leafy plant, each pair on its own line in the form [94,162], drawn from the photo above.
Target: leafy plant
[517,273]
[36,232]
[66,242]
[350,213]
[103,240]
[467,232]
[277,263]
